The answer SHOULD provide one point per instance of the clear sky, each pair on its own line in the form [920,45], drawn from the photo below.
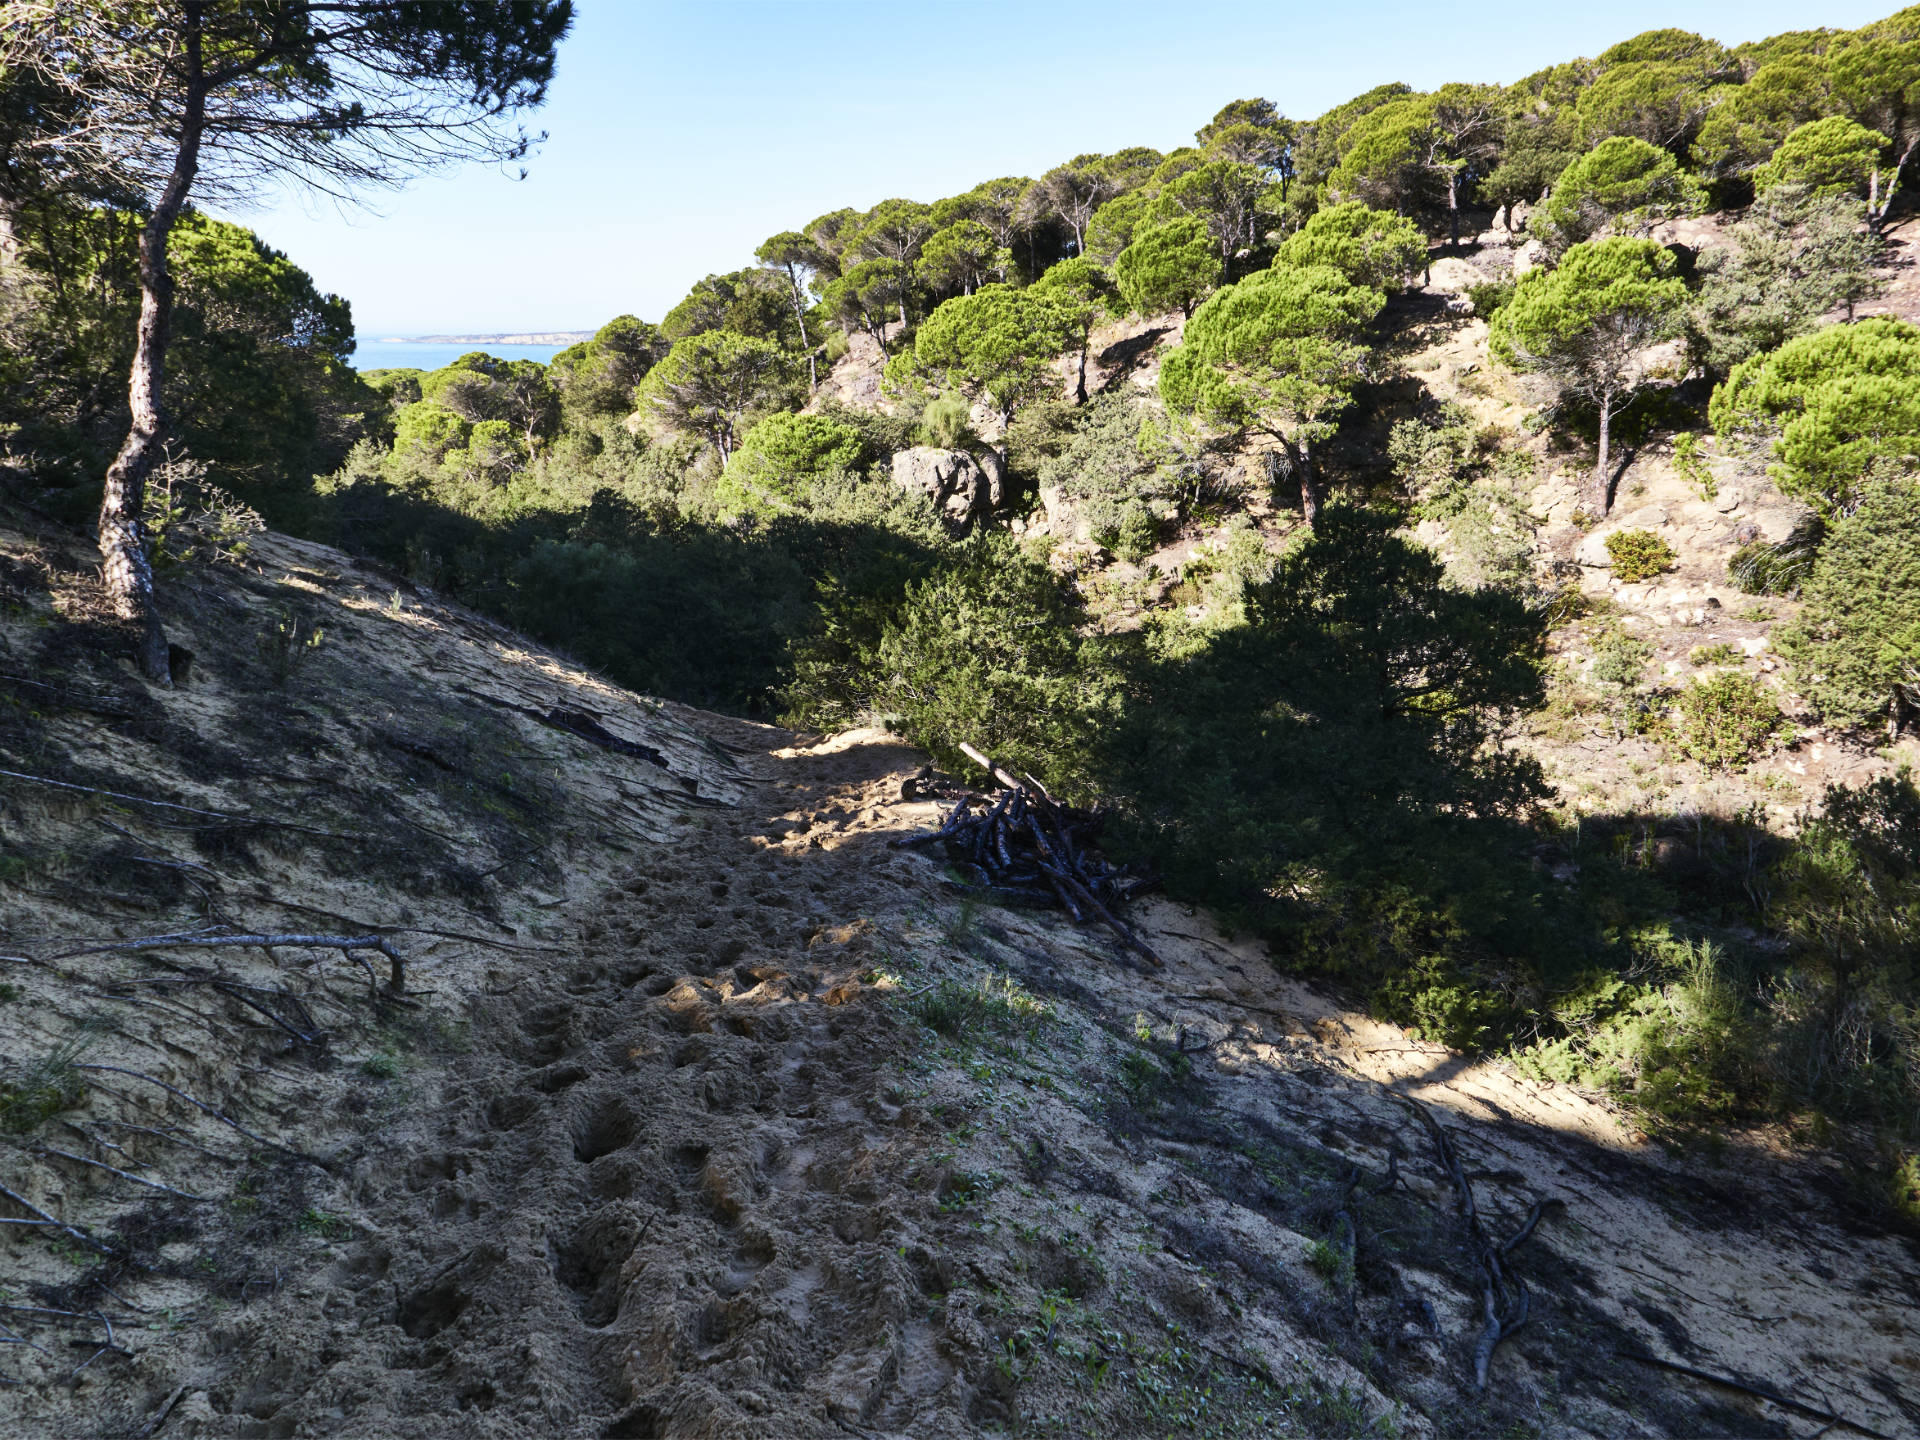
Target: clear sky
[684,132]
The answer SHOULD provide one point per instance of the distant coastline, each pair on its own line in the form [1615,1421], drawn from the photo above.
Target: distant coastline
[518,337]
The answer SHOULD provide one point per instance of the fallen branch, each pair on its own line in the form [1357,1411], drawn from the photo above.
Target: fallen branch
[204,1108]
[80,1235]
[1025,848]
[102,1165]
[1773,1396]
[346,944]
[1504,1300]
[238,817]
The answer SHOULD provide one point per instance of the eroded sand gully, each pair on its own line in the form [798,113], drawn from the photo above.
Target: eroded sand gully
[701,1172]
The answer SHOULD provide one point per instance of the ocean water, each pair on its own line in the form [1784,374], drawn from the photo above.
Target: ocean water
[413,355]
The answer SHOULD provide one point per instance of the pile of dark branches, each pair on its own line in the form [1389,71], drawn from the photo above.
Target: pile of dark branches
[1020,846]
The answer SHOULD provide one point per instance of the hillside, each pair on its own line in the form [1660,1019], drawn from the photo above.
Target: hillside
[704,1111]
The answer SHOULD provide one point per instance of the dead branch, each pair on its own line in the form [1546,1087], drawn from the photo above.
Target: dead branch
[80,1235]
[1025,848]
[163,1135]
[204,1109]
[1504,1300]
[347,944]
[47,1150]
[1760,1391]
[232,816]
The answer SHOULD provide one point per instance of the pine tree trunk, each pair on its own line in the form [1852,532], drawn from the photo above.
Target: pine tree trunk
[125,565]
[1302,458]
[1601,490]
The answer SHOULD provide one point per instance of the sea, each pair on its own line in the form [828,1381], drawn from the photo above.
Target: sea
[422,355]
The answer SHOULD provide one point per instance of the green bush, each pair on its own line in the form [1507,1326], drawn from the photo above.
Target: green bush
[1620,658]
[1721,654]
[947,423]
[1761,568]
[1724,720]
[1489,296]
[1638,555]
[1855,647]
[986,648]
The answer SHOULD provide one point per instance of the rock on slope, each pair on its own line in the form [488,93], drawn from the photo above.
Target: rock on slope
[727,1120]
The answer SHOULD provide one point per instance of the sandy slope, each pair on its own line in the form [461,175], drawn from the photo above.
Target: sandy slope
[669,1150]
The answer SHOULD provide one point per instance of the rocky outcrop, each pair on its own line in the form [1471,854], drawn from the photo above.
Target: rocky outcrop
[960,483]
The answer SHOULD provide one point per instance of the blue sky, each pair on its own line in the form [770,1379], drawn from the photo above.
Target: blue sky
[682,134]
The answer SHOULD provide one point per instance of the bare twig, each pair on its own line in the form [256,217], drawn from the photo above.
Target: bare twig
[45,1150]
[145,1432]
[205,1109]
[80,1235]
[346,944]
[1760,1391]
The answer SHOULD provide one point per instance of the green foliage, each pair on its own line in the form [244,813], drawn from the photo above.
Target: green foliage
[257,382]
[1838,405]
[998,343]
[713,384]
[947,423]
[1834,156]
[746,302]
[1373,248]
[1436,458]
[287,642]
[598,376]
[1638,555]
[1108,467]
[1748,124]
[1275,352]
[1584,323]
[1724,720]
[1690,463]
[1489,296]
[1855,646]
[1304,769]
[987,649]
[1169,266]
[962,257]
[1847,897]
[1622,182]
[1761,567]
[1792,261]
[1620,658]
[780,460]
[996,1005]
[1720,654]
[34,1092]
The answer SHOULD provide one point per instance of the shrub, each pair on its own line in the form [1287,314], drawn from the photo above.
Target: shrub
[987,649]
[1724,720]
[1489,296]
[946,423]
[1620,658]
[1855,648]
[1760,568]
[1691,464]
[1721,654]
[1638,555]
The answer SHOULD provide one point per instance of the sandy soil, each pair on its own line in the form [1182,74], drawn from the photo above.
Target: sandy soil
[773,1136]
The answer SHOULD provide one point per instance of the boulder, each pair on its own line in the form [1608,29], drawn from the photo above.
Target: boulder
[958,483]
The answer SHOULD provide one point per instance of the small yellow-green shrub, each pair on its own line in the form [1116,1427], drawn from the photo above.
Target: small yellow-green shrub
[1638,555]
